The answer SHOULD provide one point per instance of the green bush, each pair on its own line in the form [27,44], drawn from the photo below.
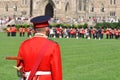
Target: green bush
[85,25]
[24,25]
[69,25]
[80,26]
[108,25]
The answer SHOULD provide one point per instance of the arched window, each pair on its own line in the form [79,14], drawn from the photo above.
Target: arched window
[110,1]
[92,8]
[80,5]
[15,7]
[24,2]
[66,8]
[84,4]
[102,7]
[114,1]
[112,13]
[6,7]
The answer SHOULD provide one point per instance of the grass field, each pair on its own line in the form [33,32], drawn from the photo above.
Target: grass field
[81,59]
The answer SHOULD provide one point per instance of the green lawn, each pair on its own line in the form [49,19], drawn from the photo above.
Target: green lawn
[82,59]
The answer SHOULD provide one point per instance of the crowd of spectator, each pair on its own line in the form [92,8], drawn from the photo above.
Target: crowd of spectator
[83,20]
[5,20]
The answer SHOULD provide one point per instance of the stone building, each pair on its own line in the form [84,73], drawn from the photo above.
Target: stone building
[84,9]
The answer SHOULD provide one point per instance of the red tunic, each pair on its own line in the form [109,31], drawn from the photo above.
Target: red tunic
[51,60]
[20,29]
[8,29]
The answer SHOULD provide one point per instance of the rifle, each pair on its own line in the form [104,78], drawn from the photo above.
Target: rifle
[20,72]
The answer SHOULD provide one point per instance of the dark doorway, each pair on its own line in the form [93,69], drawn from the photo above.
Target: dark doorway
[49,10]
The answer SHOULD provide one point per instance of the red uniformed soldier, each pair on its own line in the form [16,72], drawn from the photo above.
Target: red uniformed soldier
[50,67]
[28,32]
[8,30]
[13,30]
[20,30]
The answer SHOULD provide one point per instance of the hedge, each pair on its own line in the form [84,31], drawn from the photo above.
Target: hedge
[65,25]
[108,25]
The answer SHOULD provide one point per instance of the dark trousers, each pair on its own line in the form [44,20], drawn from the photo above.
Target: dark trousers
[8,34]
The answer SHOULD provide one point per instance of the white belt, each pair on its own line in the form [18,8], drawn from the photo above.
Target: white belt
[38,73]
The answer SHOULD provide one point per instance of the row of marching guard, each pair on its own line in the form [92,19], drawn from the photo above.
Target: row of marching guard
[59,32]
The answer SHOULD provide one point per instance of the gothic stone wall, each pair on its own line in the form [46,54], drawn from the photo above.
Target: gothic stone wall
[62,8]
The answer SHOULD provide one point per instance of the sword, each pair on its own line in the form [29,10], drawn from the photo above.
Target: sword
[13,58]
[20,72]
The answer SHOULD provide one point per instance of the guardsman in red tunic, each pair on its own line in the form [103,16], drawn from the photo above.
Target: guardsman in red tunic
[28,32]
[8,30]
[83,32]
[119,32]
[58,32]
[116,33]
[102,33]
[107,33]
[93,33]
[13,30]
[20,30]
[23,31]
[41,57]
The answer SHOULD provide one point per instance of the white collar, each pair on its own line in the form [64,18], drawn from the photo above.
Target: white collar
[40,35]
